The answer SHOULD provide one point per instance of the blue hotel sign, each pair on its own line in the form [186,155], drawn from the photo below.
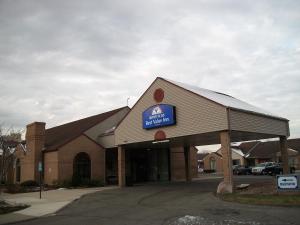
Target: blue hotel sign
[160,115]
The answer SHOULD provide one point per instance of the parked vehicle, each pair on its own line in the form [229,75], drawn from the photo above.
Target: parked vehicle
[260,169]
[277,169]
[242,170]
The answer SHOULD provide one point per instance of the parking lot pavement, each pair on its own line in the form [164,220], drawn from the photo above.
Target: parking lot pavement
[50,202]
[169,204]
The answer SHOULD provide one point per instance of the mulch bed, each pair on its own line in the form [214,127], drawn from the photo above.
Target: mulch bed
[7,208]
[265,188]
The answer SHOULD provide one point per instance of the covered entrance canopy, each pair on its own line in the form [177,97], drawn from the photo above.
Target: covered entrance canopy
[185,116]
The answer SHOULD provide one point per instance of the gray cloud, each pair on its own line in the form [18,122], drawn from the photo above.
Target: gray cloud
[63,60]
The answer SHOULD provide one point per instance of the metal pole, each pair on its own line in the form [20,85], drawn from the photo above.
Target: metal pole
[40,184]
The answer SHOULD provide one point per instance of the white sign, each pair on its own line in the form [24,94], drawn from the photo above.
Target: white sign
[40,167]
[287,182]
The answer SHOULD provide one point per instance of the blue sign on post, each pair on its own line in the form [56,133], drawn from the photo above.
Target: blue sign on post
[160,115]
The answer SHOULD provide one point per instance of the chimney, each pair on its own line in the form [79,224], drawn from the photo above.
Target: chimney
[35,141]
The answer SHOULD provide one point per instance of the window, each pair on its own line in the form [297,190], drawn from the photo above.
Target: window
[236,162]
[82,166]
[212,163]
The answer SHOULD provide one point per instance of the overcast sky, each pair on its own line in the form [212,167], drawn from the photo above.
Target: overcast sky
[65,60]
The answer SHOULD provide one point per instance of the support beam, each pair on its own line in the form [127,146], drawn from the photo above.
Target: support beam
[121,167]
[284,154]
[227,185]
[188,165]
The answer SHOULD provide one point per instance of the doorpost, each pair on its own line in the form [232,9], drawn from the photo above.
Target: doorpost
[226,186]
[121,167]
[284,154]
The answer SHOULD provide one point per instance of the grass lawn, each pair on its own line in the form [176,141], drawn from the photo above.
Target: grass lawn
[263,199]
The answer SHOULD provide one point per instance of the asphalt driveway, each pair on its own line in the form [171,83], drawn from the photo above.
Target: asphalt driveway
[168,204]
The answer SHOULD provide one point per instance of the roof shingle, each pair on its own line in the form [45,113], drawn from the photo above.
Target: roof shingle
[58,136]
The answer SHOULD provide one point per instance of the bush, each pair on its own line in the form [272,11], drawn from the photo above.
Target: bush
[76,180]
[95,183]
[15,188]
[65,184]
[29,183]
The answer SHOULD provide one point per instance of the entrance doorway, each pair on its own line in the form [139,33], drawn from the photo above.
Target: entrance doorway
[148,165]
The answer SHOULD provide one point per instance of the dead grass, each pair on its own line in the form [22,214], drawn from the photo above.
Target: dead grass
[277,200]
[263,193]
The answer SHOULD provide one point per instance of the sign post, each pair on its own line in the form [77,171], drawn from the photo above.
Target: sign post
[40,168]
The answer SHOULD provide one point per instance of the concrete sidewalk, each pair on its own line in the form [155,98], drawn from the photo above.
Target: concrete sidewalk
[51,202]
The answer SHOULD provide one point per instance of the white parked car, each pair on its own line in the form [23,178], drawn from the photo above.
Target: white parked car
[260,168]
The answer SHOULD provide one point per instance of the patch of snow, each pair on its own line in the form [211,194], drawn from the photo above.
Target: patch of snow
[197,220]
[223,99]
[238,151]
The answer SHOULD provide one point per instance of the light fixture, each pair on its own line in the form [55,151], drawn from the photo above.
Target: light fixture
[162,141]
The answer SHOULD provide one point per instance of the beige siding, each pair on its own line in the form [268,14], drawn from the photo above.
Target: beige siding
[110,122]
[195,115]
[242,121]
[107,141]
[50,167]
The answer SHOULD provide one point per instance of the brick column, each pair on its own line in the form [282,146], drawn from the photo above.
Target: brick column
[284,154]
[188,165]
[121,167]
[227,184]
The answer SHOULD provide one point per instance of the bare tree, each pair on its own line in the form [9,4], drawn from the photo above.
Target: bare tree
[8,143]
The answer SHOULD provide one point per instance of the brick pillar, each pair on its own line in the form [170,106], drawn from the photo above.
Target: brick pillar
[35,141]
[227,185]
[188,165]
[121,167]
[284,154]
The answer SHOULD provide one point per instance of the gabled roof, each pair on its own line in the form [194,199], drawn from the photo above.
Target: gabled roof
[60,135]
[224,99]
[247,147]
[213,153]
[294,144]
[238,151]
[266,150]
[218,154]
[200,156]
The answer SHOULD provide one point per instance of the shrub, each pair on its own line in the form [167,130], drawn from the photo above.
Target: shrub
[76,180]
[29,183]
[95,183]
[15,188]
[65,184]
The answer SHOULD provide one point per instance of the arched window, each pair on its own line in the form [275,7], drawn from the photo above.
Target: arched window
[18,170]
[82,166]
[212,163]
